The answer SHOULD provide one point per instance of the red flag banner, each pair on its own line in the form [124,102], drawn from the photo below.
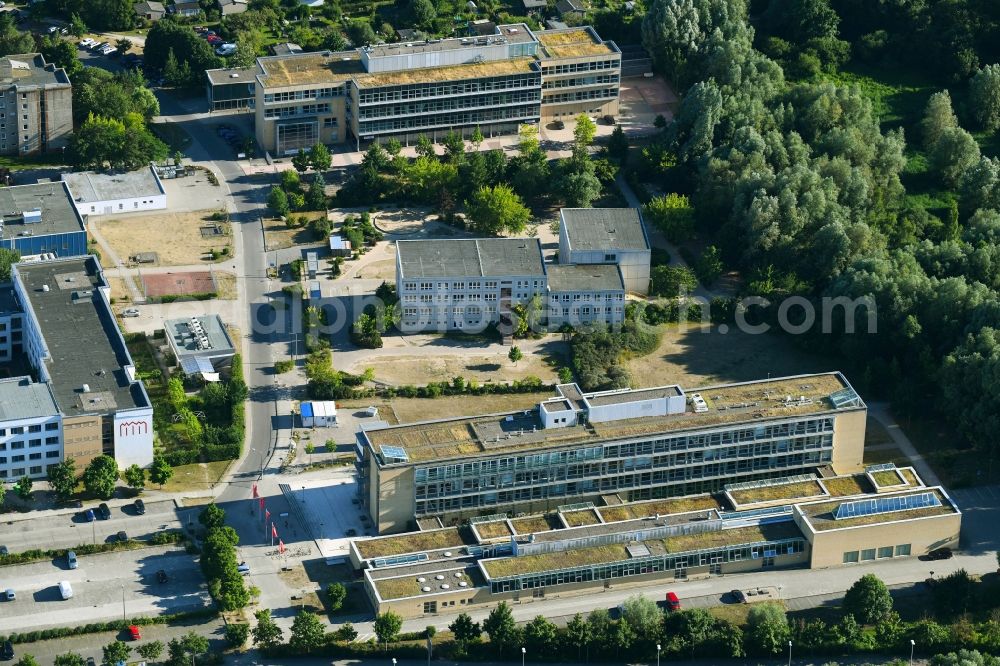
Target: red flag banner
[255,494]
[267,515]
[261,503]
[274,531]
[281,546]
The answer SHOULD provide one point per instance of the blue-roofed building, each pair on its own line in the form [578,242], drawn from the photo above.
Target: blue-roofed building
[318,414]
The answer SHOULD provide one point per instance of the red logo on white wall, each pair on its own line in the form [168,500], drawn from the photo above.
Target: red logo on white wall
[129,428]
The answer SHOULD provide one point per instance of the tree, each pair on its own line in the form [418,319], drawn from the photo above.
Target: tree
[316,197]
[799,21]
[122,144]
[61,53]
[464,629]
[300,161]
[152,650]
[964,658]
[8,258]
[187,46]
[62,479]
[954,153]
[500,626]
[135,476]
[454,146]
[868,599]
[346,633]
[495,210]
[187,649]
[642,615]
[984,97]
[622,636]
[673,215]
[578,633]
[212,517]
[161,471]
[477,138]
[123,45]
[27,660]
[101,476]
[307,631]
[249,44]
[938,116]
[12,40]
[515,354]
[618,144]
[425,147]
[277,201]
[423,12]
[387,627]
[116,653]
[23,487]
[671,281]
[266,634]
[77,27]
[319,157]
[69,659]
[3,493]
[767,628]
[579,188]
[584,132]
[336,593]
[540,637]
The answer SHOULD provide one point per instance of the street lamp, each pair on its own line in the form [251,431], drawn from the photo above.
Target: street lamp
[523,652]
[658,648]
[789,653]
[123,602]
[393,661]
[913,644]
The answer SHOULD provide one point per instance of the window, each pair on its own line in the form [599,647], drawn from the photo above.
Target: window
[35,456]
[903,550]
[18,459]
[868,554]
[36,470]
[51,440]
[885,551]
[851,557]
[34,443]
[50,426]
[17,430]
[430,607]
[51,454]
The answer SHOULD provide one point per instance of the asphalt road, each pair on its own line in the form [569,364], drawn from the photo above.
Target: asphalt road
[100,583]
[67,528]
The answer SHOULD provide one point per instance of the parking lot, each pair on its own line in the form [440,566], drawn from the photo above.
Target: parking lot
[100,584]
[68,528]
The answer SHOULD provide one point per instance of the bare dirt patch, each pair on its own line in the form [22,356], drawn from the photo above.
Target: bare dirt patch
[225,286]
[693,357]
[494,366]
[185,244]
[184,283]
[278,235]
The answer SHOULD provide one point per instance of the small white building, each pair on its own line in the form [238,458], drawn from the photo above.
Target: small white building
[116,192]
[607,236]
[319,414]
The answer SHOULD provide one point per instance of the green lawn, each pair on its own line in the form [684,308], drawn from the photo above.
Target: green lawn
[898,97]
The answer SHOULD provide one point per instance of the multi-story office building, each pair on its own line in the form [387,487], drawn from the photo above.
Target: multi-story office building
[10,323]
[465,284]
[607,236]
[41,219]
[584,294]
[36,107]
[69,340]
[494,82]
[880,513]
[576,447]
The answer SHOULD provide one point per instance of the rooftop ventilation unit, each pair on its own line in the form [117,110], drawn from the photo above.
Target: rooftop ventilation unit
[33,216]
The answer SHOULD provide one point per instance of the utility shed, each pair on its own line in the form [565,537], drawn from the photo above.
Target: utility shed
[319,414]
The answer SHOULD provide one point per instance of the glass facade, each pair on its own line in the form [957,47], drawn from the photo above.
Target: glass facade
[639,566]
[292,136]
[659,466]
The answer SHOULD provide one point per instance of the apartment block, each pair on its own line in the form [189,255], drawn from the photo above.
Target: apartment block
[578,446]
[75,393]
[36,106]
[495,82]
[803,521]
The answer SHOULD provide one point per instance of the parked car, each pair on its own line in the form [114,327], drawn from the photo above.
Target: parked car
[4,551]
[53,30]
[65,590]
[122,536]
[91,662]
[108,50]
[7,652]
[89,516]
[940,554]
[130,312]
[71,559]
[214,39]
[243,568]
[226,50]
[104,511]
[9,594]
[140,507]
[86,43]
[133,631]
[161,576]
[98,46]
[738,596]
[673,603]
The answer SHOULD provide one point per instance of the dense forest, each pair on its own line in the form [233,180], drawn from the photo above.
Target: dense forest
[811,183]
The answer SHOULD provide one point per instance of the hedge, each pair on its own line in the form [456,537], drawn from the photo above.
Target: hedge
[114,625]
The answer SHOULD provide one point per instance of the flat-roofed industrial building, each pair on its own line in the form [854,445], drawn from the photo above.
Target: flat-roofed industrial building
[578,446]
[796,521]
[41,219]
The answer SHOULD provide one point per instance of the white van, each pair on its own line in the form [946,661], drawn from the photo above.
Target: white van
[66,590]
[71,559]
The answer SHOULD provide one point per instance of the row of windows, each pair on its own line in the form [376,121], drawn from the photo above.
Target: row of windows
[422,91]
[451,119]
[580,81]
[652,564]
[17,444]
[289,111]
[581,95]
[882,553]
[585,298]
[472,285]
[37,427]
[709,476]
[33,456]
[457,298]
[19,471]
[449,104]
[294,95]
[580,67]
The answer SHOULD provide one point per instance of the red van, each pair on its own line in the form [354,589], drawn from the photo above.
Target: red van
[673,603]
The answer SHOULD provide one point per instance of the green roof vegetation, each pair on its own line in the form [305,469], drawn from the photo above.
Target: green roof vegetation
[533,524]
[842,486]
[512,566]
[581,518]
[412,542]
[493,530]
[786,491]
[888,477]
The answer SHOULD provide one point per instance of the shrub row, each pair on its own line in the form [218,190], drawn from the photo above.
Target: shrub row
[37,554]
[114,625]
